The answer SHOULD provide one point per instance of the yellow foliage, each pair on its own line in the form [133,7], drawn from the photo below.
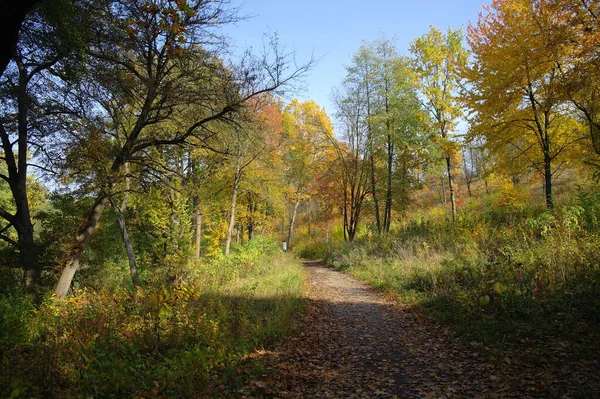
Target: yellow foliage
[507,193]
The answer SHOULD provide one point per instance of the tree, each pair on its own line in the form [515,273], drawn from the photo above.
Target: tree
[515,90]
[151,84]
[40,60]
[247,145]
[437,60]
[352,154]
[369,90]
[571,34]
[306,150]
[12,16]
[406,135]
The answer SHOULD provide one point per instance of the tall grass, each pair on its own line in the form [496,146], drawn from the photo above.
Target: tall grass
[496,273]
[162,341]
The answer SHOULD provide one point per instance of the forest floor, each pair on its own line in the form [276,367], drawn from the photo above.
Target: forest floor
[354,342]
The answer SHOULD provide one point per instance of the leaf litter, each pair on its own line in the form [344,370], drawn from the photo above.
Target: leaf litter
[354,342]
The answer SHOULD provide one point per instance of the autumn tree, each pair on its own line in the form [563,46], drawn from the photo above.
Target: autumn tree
[370,77]
[307,147]
[571,35]
[515,92]
[151,84]
[437,59]
[352,165]
[247,142]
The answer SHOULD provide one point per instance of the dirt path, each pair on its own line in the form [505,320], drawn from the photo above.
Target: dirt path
[354,343]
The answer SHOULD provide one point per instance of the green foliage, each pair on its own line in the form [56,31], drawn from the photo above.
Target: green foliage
[159,341]
[311,248]
[16,314]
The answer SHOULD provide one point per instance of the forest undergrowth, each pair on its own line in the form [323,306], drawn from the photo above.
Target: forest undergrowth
[507,275]
[163,340]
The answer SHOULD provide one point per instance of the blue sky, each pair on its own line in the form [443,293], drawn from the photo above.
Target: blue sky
[334,29]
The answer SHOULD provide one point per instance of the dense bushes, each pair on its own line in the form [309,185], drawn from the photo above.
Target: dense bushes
[160,341]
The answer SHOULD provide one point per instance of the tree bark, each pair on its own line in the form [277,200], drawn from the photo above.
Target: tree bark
[12,15]
[16,169]
[29,259]
[84,236]
[442,189]
[451,187]
[133,271]
[236,182]
[292,222]
[198,235]
[468,176]
[548,180]
[374,194]
[387,218]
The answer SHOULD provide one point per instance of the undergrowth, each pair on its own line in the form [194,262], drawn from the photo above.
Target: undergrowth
[172,340]
[499,275]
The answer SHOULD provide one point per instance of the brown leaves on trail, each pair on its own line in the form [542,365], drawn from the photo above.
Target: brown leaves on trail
[352,343]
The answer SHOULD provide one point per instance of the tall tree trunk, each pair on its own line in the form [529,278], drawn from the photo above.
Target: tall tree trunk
[250,231]
[175,223]
[133,271]
[374,195]
[198,234]
[16,169]
[83,237]
[443,190]
[292,222]
[28,251]
[236,183]
[390,150]
[548,180]
[547,162]
[21,221]
[468,175]
[252,209]
[451,187]
[388,197]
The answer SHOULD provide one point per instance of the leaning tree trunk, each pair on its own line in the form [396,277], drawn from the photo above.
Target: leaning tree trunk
[84,236]
[133,271]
